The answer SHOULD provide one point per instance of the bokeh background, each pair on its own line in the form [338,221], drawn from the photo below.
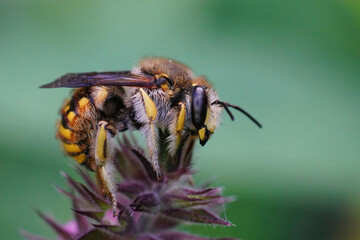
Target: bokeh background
[294,65]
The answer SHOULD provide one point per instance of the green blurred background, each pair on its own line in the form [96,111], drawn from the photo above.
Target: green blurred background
[294,65]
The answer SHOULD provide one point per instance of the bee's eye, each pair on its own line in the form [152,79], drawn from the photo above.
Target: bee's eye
[199,107]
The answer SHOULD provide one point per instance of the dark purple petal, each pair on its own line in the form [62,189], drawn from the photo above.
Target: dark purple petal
[89,181]
[146,202]
[70,195]
[81,221]
[129,220]
[186,198]
[128,164]
[185,202]
[131,187]
[112,228]
[207,192]
[197,215]
[162,222]
[95,199]
[57,227]
[78,188]
[147,165]
[121,164]
[95,214]
[175,175]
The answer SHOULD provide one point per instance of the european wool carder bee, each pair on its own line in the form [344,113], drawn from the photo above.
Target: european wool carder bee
[158,93]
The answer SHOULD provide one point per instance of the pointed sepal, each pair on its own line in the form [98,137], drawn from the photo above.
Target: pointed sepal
[197,215]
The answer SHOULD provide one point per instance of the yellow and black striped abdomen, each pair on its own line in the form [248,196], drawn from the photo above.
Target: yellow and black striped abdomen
[80,117]
[77,127]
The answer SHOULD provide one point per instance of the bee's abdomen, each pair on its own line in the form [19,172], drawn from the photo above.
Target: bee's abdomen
[77,127]
[80,117]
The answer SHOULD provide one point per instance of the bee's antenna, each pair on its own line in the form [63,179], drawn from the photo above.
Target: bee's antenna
[226,106]
[228,111]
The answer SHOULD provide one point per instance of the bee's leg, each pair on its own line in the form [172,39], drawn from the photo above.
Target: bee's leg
[149,131]
[104,165]
[176,128]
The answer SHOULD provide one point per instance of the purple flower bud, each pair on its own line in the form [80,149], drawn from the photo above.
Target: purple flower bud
[147,209]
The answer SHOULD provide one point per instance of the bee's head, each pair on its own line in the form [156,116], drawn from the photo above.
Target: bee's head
[204,116]
[206,111]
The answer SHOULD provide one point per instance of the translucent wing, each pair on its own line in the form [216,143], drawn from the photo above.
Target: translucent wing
[124,78]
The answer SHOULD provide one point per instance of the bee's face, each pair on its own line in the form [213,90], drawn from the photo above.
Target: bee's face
[205,115]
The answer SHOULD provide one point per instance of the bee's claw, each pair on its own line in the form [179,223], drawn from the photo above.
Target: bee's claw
[115,214]
[159,175]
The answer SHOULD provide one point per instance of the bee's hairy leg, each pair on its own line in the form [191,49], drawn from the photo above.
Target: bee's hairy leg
[176,128]
[149,131]
[103,161]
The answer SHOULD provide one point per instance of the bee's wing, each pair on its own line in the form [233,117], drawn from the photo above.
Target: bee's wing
[125,78]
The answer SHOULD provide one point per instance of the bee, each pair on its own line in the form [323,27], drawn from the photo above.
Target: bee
[157,93]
